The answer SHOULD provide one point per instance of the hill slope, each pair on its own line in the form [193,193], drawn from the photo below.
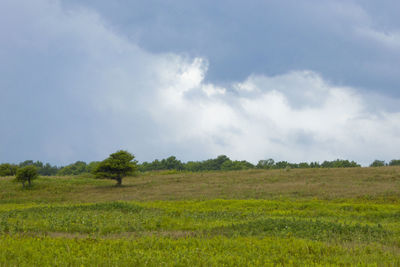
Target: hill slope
[380,184]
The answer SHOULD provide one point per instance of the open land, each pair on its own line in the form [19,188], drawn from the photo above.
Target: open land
[342,216]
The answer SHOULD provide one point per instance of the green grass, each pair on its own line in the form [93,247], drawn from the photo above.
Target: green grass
[245,218]
[164,251]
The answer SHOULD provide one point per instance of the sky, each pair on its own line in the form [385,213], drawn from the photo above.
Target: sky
[300,81]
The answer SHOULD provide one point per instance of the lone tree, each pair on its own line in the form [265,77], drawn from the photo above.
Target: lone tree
[117,166]
[26,174]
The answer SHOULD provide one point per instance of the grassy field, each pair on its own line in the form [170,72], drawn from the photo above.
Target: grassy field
[243,218]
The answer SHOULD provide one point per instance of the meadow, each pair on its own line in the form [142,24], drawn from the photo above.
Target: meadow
[319,217]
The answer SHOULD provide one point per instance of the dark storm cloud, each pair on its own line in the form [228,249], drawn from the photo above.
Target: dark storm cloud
[273,37]
[293,81]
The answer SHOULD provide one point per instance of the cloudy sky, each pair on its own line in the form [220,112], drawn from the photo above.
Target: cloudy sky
[308,80]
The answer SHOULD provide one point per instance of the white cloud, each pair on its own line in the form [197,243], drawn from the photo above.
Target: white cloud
[114,94]
[390,39]
[296,116]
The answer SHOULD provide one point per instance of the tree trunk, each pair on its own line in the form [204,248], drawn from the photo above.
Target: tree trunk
[29,182]
[119,181]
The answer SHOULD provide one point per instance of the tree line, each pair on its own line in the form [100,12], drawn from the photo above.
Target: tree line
[220,163]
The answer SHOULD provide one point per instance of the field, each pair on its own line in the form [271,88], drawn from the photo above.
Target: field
[239,218]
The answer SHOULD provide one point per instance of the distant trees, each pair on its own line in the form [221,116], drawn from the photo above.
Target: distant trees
[43,169]
[29,162]
[340,163]
[377,163]
[170,163]
[381,163]
[265,164]
[222,162]
[208,165]
[48,170]
[194,166]
[215,164]
[284,165]
[236,165]
[73,169]
[77,168]
[92,166]
[26,174]
[117,166]
[7,169]
[394,162]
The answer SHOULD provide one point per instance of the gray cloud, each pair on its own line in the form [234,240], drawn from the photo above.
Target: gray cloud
[273,37]
[75,87]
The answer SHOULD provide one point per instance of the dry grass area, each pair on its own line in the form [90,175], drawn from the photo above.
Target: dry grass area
[376,184]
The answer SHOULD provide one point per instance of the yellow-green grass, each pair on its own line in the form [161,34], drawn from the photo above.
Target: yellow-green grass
[164,251]
[210,232]
[302,217]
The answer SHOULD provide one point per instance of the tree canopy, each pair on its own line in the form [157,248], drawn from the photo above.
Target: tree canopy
[117,166]
[26,174]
